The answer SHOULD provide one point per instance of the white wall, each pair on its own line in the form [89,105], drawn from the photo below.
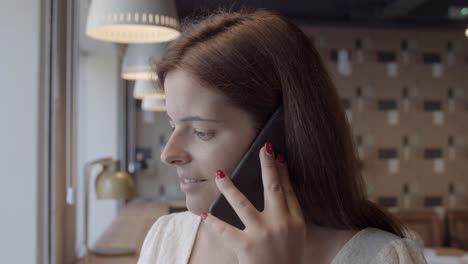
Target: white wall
[19,131]
[97,133]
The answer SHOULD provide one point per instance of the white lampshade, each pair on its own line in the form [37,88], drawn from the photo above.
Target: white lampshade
[133,21]
[147,89]
[153,104]
[140,60]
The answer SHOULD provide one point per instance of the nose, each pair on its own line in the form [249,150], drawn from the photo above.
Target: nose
[175,152]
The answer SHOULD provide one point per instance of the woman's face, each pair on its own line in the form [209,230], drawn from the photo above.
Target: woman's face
[208,134]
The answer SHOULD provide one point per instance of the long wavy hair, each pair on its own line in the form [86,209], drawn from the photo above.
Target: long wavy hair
[258,59]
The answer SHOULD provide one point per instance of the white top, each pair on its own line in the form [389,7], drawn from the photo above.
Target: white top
[171,239]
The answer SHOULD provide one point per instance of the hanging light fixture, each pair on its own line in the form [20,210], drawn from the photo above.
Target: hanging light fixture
[147,89]
[153,104]
[136,21]
[140,60]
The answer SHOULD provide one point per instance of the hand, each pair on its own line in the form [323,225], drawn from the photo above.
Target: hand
[276,235]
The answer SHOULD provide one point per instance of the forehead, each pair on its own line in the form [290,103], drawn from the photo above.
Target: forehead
[185,95]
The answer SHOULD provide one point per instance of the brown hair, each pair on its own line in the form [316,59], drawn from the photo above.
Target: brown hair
[258,59]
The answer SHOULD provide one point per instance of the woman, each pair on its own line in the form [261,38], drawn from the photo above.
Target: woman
[223,78]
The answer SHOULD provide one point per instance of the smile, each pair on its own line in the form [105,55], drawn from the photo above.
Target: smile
[191,181]
[192,185]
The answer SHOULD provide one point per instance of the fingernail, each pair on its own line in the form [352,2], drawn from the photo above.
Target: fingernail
[269,148]
[220,174]
[204,216]
[281,158]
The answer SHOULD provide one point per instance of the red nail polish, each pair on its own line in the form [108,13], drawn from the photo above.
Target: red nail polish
[204,216]
[281,158]
[220,174]
[269,148]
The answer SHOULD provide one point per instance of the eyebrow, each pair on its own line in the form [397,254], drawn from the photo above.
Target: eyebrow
[194,118]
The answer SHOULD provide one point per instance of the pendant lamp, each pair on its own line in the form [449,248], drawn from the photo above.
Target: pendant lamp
[133,21]
[147,89]
[153,104]
[140,60]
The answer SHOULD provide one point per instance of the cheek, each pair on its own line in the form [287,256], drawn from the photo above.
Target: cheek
[224,154]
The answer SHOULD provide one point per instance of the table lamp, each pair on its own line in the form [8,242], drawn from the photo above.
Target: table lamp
[109,184]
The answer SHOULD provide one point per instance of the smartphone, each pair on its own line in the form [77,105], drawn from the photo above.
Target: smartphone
[247,176]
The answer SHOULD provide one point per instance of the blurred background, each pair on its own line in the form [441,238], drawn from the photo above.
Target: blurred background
[83,121]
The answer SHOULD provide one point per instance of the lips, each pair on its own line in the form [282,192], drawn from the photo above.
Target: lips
[191,180]
[192,185]
[184,178]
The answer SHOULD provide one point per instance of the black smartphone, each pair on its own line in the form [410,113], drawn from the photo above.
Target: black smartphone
[247,176]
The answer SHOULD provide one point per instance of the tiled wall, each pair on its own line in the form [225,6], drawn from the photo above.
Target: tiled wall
[405,94]
[406,97]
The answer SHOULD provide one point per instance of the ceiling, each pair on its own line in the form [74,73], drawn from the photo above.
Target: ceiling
[430,14]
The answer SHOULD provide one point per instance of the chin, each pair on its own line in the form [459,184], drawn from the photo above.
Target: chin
[197,206]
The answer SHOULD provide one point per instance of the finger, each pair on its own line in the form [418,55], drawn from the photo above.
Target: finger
[247,213]
[273,190]
[227,232]
[291,199]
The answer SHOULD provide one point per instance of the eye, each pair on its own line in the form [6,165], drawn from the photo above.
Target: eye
[204,135]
